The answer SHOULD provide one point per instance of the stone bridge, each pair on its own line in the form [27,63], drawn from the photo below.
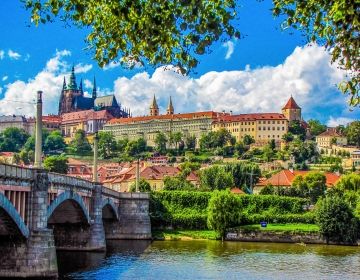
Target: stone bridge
[42,211]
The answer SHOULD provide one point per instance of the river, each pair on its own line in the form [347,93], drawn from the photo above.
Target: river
[211,260]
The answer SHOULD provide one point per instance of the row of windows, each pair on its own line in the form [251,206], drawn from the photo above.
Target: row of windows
[273,128]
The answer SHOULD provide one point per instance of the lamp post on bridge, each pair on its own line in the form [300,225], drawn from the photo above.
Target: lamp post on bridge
[95,174]
[38,131]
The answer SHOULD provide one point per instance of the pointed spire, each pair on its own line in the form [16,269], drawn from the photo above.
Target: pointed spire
[170,108]
[94,93]
[72,85]
[81,88]
[154,109]
[64,84]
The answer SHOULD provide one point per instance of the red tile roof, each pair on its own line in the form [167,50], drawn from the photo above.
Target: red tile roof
[86,115]
[286,177]
[250,117]
[330,133]
[195,115]
[291,104]
[51,119]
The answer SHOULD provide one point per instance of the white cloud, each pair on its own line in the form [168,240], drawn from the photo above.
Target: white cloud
[2,54]
[88,84]
[83,68]
[13,55]
[4,78]
[230,46]
[111,65]
[333,122]
[23,93]
[27,57]
[306,74]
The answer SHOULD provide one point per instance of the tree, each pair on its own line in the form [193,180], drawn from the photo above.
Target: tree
[224,211]
[312,185]
[107,144]
[288,137]
[54,142]
[316,127]
[136,147]
[296,128]
[336,219]
[240,148]
[12,139]
[160,142]
[175,138]
[80,145]
[268,153]
[267,190]
[216,178]
[144,186]
[193,166]
[190,142]
[334,24]
[155,32]
[349,182]
[58,164]
[302,151]
[27,156]
[248,140]
[177,183]
[244,174]
[353,133]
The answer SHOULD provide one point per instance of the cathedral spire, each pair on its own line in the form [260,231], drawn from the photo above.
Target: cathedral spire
[72,85]
[170,108]
[81,87]
[64,84]
[94,93]
[154,108]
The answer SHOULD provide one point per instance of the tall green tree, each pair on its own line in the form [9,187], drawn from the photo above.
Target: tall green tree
[155,32]
[144,186]
[224,211]
[107,144]
[12,139]
[296,128]
[349,182]
[160,142]
[216,178]
[312,185]
[80,144]
[248,139]
[58,164]
[333,24]
[190,142]
[54,142]
[353,133]
[336,219]
[244,174]
[316,127]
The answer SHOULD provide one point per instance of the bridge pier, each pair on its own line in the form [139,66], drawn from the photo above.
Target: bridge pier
[97,233]
[134,219]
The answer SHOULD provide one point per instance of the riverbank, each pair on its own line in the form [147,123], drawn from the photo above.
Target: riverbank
[272,233]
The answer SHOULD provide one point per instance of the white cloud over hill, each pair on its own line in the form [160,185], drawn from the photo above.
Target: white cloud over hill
[306,74]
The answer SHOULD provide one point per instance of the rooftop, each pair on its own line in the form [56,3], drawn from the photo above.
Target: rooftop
[291,104]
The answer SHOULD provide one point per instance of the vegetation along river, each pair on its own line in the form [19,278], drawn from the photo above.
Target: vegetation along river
[212,260]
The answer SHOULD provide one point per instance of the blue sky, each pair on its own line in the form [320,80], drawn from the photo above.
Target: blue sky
[261,72]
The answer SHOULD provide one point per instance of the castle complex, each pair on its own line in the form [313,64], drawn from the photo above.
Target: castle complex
[263,127]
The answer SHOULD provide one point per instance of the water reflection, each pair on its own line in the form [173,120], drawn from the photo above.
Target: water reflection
[212,260]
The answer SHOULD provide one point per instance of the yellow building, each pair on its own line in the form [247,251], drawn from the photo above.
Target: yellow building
[329,138]
[147,127]
[89,120]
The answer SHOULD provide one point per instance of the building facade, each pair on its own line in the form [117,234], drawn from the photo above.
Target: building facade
[147,127]
[329,138]
[72,99]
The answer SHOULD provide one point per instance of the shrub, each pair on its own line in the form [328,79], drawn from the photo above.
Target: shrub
[336,219]
[224,211]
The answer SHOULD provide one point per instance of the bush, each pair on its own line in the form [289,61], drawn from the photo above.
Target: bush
[224,211]
[336,219]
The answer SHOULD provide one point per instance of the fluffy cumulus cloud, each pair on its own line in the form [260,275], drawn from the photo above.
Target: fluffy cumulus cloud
[306,74]
[333,122]
[83,68]
[19,96]
[4,78]
[230,46]
[14,55]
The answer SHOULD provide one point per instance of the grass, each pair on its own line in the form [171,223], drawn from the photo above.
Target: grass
[185,234]
[290,228]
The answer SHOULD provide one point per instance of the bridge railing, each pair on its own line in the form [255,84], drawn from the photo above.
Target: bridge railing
[109,193]
[67,182]
[15,173]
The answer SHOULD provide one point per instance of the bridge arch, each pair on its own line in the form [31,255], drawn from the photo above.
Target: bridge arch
[12,215]
[109,209]
[72,200]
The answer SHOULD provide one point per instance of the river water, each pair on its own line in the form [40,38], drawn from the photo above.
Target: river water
[211,260]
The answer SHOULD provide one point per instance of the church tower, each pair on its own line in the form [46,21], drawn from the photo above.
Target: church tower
[291,110]
[69,92]
[170,108]
[154,108]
